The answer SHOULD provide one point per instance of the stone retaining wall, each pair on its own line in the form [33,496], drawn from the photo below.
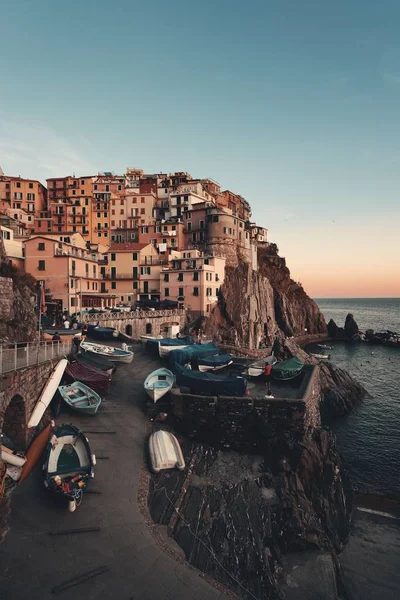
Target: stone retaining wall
[249,424]
[134,323]
[6,299]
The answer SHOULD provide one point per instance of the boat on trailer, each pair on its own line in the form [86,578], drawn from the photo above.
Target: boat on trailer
[159,383]
[118,355]
[80,397]
[256,368]
[165,452]
[69,464]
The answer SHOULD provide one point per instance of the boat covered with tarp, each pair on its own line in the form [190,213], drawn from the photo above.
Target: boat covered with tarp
[96,362]
[208,384]
[168,345]
[182,356]
[103,333]
[153,345]
[215,363]
[287,369]
[91,376]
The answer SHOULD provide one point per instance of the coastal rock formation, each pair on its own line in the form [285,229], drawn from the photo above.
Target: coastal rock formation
[256,304]
[351,328]
[340,392]
[334,331]
[237,515]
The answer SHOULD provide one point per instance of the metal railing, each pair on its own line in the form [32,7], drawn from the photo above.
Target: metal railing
[26,354]
[133,314]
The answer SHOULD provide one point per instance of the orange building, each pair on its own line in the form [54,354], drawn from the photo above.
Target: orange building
[69,202]
[107,187]
[70,273]
[26,194]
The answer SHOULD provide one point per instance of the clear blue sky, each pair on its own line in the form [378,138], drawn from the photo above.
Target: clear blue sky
[292,103]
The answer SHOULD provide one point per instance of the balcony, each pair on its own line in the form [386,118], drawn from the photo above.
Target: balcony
[116,276]
[149,261]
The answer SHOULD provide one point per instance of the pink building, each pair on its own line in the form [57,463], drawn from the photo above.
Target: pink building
[193,279]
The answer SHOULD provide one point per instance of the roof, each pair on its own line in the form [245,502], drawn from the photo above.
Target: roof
[126,247]
[17,178]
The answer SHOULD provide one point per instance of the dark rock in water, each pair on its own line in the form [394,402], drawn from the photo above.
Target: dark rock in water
[340,392]
[239,514]
[350,327]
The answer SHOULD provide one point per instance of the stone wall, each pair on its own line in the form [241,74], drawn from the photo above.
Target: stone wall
[250,424]
[6,299]
[19,392]
[134,323]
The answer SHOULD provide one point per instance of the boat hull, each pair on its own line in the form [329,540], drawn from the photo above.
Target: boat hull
[165,350]
[158,384]
[165,452]
[35,451]
[65,337]
[145,338]
[107,352]
[48,392]
[256,369]
[80,398]
[10,458]
[205,368]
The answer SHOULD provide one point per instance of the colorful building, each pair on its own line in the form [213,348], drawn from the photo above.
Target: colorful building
[193,279]
[28,195]
[14,248]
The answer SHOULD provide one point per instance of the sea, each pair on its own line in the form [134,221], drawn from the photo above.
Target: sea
[369,437]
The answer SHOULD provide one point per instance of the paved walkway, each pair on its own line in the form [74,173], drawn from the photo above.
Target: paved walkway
[32,562]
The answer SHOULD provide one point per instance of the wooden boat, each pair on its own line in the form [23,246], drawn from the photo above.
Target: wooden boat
[109,352]
[321,356]
[325,346]
[256,368]
[165,452]
[69,464]
[48,392]
[97,380]
[92,361]
[214,363]
[104,333]
[159,383]
[66,335]
[209,384]
[35,451]
[12,458]
[164,351]
[80,397]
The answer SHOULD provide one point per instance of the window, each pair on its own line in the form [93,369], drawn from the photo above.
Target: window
[180,291]
[42,265]
[148,328]
[18,184]
[82,182]
[30,196]
[166,292]
[105,215]
[173,227]
[105,234]
[165,228]
[119,188]
[142,200]
[73,192]
[195,276]
[189,226]
[145,230]
[42,246]
[112,255]
[166,277]
[113,285]
[82,192]
[135,285]
[112,223]
[195,291]
[72,283]
[201,224]
[180,277]
[142,211]
[215,218]
[86,201]
[158,229]
[113,212]
[208,292]
[31,186]
[107,188]
[18,195]
[129,298]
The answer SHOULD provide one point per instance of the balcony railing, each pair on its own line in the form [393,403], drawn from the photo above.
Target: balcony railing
[119,276]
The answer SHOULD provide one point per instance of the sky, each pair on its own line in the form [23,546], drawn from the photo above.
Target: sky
[294,105]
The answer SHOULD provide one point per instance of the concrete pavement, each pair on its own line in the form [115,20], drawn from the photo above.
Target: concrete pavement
[32,562]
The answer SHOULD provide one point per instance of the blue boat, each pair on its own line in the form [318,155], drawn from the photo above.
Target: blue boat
[80,397]
[215,363]
[208,384]
[182,356]
[103,333]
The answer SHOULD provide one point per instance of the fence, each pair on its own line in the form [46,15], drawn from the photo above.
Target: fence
[26,354]
[134,314]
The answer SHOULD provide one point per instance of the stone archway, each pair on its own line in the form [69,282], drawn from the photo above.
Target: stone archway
[14,423]
[128,330]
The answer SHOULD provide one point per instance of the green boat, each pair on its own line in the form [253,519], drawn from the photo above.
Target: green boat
[287,369]
[80,397]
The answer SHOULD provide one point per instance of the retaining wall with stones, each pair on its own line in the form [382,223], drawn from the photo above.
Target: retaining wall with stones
[134,324]
[6,299]
[248,424]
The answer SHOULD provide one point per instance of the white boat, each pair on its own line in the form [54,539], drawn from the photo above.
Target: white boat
[145,338]
[256,368]
[321,356]
[325,346]
[159,383]
[165,452]
[48,392]
[9,457]
[165,350]
[119,355]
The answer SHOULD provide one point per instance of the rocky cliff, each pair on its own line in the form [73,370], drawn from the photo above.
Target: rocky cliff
[256,304]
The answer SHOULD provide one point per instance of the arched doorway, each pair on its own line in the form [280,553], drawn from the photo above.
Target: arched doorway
[128,330]
[148,328]
[14,424]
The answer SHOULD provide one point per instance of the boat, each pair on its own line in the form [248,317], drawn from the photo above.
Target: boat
[183,356]
[35,451]
[214,363]
[165,452]
[91,376]
[66,335]
[287,369]
[80,397]
[48,392]
[118,355]
[321,356]
[209,384]
[95,362]
[12,458]
[103,333]
[256,368]
[159,383]
[325,346]
[69,464]
[145,338]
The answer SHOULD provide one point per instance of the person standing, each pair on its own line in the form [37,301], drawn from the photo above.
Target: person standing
[267,376]
[84,331]
[56,337]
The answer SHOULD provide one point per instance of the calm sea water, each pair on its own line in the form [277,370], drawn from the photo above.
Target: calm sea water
[369,438]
